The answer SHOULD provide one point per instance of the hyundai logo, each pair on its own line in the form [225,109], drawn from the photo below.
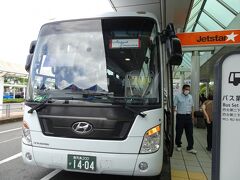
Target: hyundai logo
[82,127]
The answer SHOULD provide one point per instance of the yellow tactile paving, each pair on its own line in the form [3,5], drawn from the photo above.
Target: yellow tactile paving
[184,175]
[179,178]
[190,166]
[179,174]
[196,176]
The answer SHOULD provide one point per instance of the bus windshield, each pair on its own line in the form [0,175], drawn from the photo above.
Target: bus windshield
[98,60]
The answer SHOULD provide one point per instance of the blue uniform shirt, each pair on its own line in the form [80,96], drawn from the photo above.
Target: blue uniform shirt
[183,103]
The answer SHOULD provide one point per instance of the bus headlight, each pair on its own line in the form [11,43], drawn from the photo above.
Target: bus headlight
[26,134]
[151,140]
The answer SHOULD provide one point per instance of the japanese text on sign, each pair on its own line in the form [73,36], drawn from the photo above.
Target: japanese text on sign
[231,107]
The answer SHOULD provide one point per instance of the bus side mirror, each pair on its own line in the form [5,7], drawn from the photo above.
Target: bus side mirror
[32,47]
[175,51]
[28,62]
[173,45]
[30,56]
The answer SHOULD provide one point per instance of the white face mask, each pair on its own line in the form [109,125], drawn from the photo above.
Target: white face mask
[186,92]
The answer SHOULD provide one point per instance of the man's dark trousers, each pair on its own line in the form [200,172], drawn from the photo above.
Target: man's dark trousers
[184,122]
[209,136]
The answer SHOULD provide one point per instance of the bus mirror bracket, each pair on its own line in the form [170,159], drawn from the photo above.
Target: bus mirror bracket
[173,45]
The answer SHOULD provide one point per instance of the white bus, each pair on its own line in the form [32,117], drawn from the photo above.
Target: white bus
[95,97]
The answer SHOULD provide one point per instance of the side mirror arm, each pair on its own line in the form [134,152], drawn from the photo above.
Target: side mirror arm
[173,45]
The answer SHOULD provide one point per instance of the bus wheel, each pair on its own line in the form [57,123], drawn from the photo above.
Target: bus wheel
[154,178]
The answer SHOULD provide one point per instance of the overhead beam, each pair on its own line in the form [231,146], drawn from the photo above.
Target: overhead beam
[198,48]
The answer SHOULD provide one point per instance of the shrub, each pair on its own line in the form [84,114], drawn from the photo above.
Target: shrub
[17,100]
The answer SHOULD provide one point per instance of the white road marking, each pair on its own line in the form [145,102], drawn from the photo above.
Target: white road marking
[11,139]
[11,158]
[52,174]
[10,130]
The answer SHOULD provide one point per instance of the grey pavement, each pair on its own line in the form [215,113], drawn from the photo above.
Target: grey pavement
[14,116]
[188,166]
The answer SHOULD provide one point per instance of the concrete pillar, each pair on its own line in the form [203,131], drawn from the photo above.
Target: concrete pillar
[195,78]
[182,78]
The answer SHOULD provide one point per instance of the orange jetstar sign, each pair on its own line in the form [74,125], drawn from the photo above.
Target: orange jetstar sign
[210,38]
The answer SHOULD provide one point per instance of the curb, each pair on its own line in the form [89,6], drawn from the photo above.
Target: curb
[11,119]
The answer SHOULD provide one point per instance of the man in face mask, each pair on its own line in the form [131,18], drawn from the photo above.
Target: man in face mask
[183,105]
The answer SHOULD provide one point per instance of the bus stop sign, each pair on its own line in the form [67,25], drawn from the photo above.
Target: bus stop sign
[226,122]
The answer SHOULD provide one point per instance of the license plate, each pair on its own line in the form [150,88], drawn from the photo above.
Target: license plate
[79,162]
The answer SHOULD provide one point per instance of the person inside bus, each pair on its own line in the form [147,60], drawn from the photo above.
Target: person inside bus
[183,105]
[207,108]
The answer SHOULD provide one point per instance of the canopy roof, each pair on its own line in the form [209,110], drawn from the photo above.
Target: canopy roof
[12,69]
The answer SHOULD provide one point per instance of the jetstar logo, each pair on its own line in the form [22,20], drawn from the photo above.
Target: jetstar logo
[229,37]
[210,38]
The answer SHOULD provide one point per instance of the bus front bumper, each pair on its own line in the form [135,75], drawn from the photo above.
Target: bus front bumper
[106,163]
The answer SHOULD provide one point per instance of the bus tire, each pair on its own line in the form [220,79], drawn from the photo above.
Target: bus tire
[155,177]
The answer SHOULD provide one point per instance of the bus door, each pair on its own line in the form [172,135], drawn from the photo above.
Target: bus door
[172,57]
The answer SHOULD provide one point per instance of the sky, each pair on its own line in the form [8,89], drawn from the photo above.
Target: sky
[20,21]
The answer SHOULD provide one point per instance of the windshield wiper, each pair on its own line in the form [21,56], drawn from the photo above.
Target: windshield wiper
[43,103]
[143,115]
[125,105]
[107,94]
[39,106]
[120,99]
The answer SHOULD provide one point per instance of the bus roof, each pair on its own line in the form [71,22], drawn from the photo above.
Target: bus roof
[110,14]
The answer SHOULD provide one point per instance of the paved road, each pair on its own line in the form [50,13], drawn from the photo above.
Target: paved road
[13,168]
[11,164]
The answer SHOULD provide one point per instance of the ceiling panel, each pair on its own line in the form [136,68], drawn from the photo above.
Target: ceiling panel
[176,11]
[153,8]
[119,3]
